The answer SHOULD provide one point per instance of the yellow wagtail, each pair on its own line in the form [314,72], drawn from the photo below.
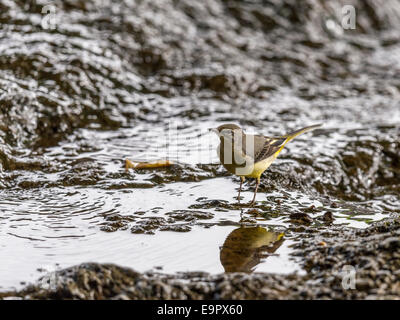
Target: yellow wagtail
[248,156]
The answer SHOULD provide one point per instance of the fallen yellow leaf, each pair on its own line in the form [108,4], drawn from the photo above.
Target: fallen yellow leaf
[145,165]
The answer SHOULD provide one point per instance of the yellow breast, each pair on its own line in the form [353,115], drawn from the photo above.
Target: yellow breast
[255,169]
[260,167]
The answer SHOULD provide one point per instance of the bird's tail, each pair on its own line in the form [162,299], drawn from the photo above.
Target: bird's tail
[290,136]
[294,134]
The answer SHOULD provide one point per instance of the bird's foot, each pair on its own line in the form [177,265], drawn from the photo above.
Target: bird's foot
[239,204]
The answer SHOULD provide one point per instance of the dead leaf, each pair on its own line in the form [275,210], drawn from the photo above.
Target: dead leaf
[146,165]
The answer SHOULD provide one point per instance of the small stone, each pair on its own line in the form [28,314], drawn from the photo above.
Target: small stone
[176,228]
[392,243]
[300,217]
[328,216]
[253,212]
[364,284]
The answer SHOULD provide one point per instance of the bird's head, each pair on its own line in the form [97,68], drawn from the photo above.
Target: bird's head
[227,131]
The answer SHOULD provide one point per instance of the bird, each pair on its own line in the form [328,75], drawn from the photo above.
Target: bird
[246,247]
[248,155]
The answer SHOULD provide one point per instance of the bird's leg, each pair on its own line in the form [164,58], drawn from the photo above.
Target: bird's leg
[255,193]
[240,188]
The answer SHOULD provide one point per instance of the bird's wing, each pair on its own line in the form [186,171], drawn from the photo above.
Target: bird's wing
[269,147]
[264,147]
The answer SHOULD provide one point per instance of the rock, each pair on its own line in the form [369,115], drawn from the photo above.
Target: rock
[328,217]
[391,244]
[301,218]
[364,284]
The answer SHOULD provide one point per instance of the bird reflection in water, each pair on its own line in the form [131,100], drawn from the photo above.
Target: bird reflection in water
[245,248]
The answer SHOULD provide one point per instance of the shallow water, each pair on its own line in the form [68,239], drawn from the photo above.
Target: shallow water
[46,228]
[144,81]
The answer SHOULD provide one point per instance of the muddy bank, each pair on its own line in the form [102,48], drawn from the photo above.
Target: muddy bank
[373,253]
